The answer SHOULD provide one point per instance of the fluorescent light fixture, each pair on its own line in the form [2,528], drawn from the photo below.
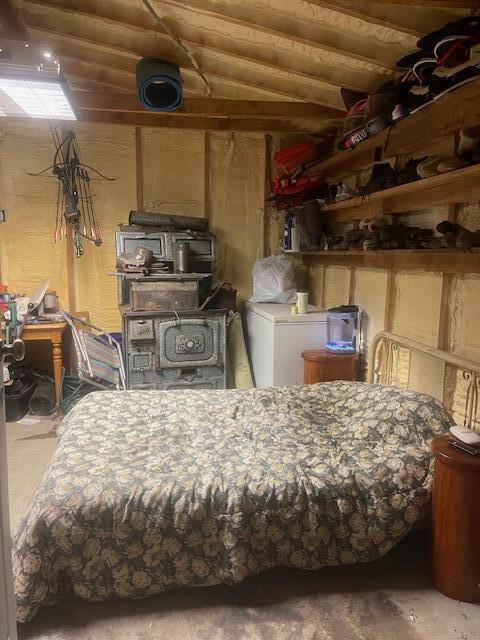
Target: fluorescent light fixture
[30,83]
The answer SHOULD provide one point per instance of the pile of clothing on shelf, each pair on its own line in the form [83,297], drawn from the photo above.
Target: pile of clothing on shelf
[382,233]
[445,59]
[296,182]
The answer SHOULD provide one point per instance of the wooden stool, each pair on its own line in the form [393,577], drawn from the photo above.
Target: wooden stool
[456,522]
[322,366]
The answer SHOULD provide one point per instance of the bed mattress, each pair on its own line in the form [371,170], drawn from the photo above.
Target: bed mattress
[153,490]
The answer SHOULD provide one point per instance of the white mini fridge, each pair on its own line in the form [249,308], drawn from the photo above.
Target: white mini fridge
[276,339]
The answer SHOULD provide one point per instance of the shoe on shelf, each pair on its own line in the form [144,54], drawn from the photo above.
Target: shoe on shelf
[382,177]
[469,141]
[444,79]
[352,138]
[423,69]
[466,26]
[410,59]
[371,241]
[382,103]
[418,97]
[428,167]
[409,173]
[344,192]
[355,103]
[465,239]
[476,154]
[452,164]
[453,51]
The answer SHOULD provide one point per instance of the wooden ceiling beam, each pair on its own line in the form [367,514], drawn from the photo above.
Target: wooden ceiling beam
[67,39]
[451,4]
[364,17]
[38,15]
[12,22]
[196,7]
[113,78]
[415,22]
[305,67]
[171,121]
[92,101]
[66,48]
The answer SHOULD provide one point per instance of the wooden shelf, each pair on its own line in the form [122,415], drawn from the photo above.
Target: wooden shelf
[438,260]
[462,185]
[448,114]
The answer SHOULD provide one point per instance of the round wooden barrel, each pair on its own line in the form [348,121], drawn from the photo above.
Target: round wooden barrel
[322,366]
[456,522]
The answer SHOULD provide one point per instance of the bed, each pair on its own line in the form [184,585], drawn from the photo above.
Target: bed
[152,490]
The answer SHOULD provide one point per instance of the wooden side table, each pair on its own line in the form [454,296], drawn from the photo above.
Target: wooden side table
[52,332]
[456,522]
[322,366]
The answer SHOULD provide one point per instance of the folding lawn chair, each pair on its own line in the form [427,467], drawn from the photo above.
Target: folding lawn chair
[98,355]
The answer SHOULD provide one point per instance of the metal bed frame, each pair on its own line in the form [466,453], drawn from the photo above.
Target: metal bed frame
[408,364]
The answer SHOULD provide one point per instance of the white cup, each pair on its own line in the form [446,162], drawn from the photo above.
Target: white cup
[302,301]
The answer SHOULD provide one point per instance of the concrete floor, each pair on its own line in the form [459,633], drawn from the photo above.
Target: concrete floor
[391,599]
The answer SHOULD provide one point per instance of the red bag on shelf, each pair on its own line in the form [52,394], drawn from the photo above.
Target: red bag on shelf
[290,158]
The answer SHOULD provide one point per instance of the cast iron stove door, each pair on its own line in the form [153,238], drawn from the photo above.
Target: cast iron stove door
[189,342]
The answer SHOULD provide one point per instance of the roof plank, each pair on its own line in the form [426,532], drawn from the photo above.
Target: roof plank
[172,121]
[93,101]
[308,65]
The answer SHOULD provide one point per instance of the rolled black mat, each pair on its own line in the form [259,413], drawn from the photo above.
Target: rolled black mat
[159,85]
[147,219]
[42,402]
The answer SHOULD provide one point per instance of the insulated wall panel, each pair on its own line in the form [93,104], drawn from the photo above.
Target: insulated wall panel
[111,150]
[28,253]
[237,184]
[173,171]
[416,306]
[315,284]
[336,286]
[464,333]
[370,293]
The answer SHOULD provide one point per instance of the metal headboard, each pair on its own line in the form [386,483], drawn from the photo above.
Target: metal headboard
[408,364]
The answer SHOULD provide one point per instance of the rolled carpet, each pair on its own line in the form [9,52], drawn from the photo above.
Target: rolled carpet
[159,85]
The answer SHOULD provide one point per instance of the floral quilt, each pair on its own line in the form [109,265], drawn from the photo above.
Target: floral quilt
[153,490]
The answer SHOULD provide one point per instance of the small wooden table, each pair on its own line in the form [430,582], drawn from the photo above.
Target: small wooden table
[51,331]
[323,366]
[456,522]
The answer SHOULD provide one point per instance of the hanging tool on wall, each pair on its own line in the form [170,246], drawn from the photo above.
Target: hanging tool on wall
[74,210]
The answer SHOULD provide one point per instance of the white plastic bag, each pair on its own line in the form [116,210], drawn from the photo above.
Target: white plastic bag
[273,280]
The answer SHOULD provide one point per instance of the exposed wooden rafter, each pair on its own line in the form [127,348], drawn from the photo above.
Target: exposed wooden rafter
[12,22]
[308,65]
[124,79]
[452,4]
[93,101]
[269,66]
[223,13]
[363,17]
[317,81]
[173,121]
